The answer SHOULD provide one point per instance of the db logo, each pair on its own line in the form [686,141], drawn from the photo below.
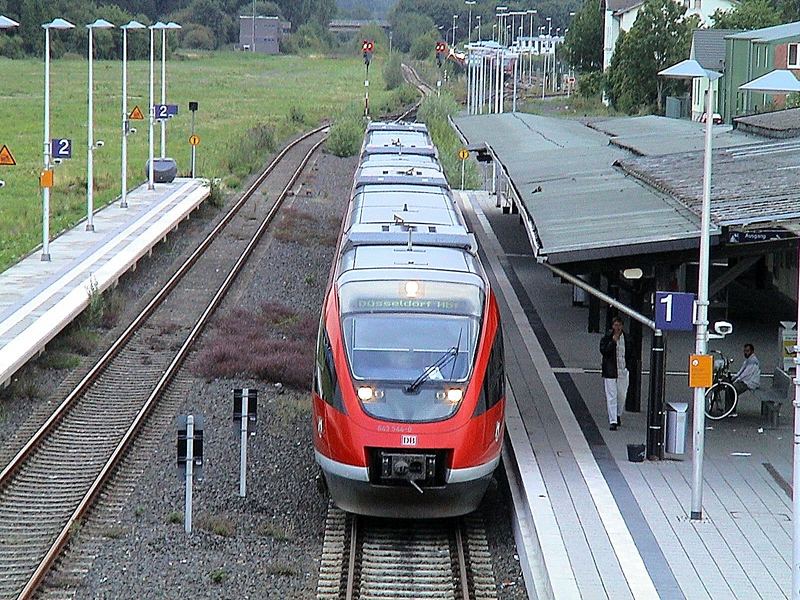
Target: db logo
[408,440]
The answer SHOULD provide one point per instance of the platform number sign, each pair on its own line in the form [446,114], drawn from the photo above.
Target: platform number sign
[675,311]
[163,112]
[60,148]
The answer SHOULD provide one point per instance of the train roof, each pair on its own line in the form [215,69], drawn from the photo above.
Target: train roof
[398,142]
[409,205]
[400,161]
[400,176]
[396,126]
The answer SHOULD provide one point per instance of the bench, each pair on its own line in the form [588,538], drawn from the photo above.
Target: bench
[773,398]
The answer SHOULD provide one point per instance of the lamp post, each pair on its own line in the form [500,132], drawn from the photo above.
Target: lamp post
[499,16]
[170,25]
[783,82]
[478,18]
[6,23]
[691,69]
[54,24]
[159,26]
[98,24]
[530,50]
[469,3]
[253,46]
[453,44]
[133,25]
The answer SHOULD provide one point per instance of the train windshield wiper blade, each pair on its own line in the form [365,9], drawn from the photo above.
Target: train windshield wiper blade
[450,354]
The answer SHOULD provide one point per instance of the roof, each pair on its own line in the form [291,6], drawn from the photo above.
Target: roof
[622,5]
[769,34]
[708,47]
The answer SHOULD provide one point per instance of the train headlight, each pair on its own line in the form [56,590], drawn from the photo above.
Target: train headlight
[368,393]
[412,289]
[452,396]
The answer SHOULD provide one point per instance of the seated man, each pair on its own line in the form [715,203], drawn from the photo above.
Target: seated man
[749,375]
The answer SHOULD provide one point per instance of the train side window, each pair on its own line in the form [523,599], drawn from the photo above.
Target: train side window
[327,381]
[494,382]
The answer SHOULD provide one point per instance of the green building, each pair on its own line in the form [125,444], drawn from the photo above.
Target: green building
[750,54]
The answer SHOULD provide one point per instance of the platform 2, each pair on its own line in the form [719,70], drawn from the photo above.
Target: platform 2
[599,526]
[39,298]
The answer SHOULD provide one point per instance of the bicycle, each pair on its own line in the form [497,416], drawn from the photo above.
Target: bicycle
[719,395]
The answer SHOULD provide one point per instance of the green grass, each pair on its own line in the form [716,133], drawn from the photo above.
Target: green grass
[236,93]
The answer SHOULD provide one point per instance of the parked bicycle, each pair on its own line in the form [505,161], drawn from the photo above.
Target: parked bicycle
[721,397]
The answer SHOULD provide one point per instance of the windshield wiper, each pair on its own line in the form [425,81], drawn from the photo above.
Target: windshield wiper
[449,355]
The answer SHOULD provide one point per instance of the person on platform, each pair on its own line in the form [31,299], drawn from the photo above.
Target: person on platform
[617,359]
[749,375]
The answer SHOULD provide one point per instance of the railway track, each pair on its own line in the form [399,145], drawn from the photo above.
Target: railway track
[49,486]
[367,559]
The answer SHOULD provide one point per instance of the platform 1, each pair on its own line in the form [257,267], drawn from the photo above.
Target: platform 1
[595,524]
[39,298]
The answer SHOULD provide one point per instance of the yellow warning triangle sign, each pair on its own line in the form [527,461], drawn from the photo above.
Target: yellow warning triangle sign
[6,158]
[136,114]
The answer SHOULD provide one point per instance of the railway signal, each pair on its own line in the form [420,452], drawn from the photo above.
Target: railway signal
[190,458]
[441,51]
[367,47]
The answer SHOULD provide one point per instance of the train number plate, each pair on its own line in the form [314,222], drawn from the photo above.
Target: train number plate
[408,440]
[413,467]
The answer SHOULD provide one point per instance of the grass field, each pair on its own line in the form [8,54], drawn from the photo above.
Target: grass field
[237,92]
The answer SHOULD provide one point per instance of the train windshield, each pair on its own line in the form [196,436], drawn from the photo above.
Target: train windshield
[396,330]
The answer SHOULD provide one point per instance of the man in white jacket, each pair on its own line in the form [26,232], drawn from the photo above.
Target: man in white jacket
[749,375]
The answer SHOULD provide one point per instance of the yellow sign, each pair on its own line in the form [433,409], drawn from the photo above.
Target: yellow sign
[463,154]
[46,179]
[194,140]
[6,158]
[136,114]
[701,371]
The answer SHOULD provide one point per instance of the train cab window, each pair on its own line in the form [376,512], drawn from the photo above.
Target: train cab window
[494,383]
[326,381]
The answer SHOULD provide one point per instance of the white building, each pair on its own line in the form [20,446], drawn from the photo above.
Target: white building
[620,15]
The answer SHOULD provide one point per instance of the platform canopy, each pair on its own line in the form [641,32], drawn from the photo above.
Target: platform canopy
[688,69]
[779,81]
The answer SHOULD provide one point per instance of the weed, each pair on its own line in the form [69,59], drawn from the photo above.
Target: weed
[297,226]
[59,360]
[218,525]
[393,72]
[94,311]
[281,568]
[246,153]
[26,389]
[138,511]
[346,134]
[276,532]
[112,309]
[175,517]
[216,196]
[114,532]
[309,279]
[297,115]
[218,576]
[81,340]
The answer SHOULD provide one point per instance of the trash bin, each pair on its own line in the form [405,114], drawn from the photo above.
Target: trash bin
[164,170]
[677,413]
[636,453]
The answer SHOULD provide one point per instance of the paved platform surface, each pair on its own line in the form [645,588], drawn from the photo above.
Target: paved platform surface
[38,298]
[609,528]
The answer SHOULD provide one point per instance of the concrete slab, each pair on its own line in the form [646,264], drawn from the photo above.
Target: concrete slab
[40,298]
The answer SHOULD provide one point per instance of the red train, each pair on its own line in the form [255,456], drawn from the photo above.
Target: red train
[409,385]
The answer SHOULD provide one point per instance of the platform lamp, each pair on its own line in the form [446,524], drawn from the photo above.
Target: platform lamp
[92,146]
[56,24]
[691,69]
[159,26]
[782,81]
[169,26]
[126,130]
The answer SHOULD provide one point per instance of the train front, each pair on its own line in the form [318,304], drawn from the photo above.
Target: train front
[409,387]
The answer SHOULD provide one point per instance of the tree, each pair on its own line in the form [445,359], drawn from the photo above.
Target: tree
[409,29]
[750,14]
[300,12]
[659,38]
[584,42]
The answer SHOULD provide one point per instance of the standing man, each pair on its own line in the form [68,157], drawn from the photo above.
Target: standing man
[617,359]
[749,375]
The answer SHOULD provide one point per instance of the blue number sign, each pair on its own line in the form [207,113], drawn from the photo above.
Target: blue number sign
[674,311]
[60,148]
[165,111]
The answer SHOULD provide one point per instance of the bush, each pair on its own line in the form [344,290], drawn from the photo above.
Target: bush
[424,46]
[248,152]
[198,37]
[346,134]
[591,84]
[393,72]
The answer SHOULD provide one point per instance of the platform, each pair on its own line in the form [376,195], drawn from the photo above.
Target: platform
[603,527]
[38,298]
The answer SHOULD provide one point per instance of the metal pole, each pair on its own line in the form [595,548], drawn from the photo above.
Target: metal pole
[544,68]
[655,400]
[462,174]
[163,90]
[469,31]
[530,56]
[45,189]
[253,47]
[366,91]
[194,149]
[187,514]
[90,155]
[514,102]
[701,341]
[482,84]
[123,201]
[150,178]
[501,81]
[243,450]
[795,459]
